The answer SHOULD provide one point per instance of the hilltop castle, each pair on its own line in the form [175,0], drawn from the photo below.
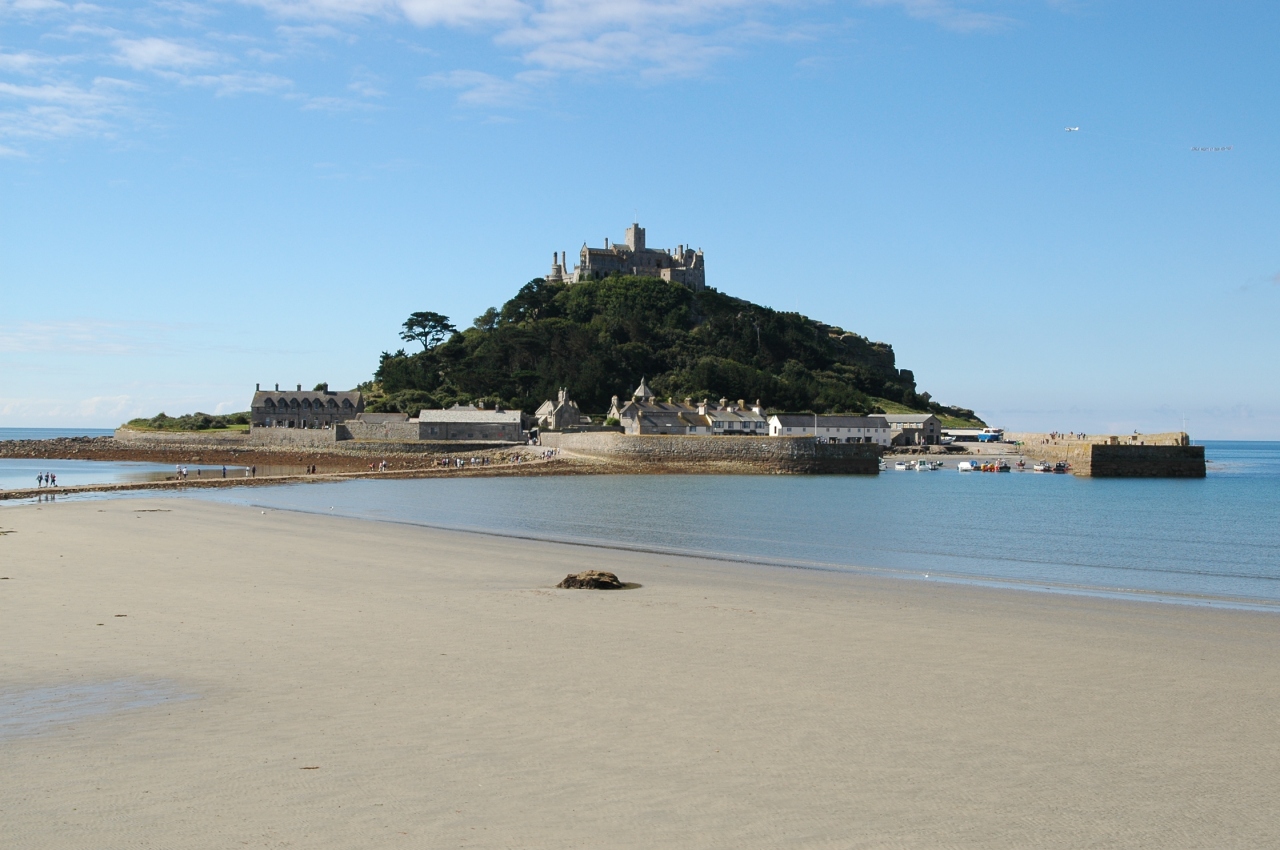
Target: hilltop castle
[682,265]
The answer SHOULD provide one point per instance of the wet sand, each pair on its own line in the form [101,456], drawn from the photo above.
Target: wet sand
[287,680]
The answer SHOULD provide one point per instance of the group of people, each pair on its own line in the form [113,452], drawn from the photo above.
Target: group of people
[380,466]
[47,479]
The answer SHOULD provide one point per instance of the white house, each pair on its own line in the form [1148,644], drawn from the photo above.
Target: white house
[835,428]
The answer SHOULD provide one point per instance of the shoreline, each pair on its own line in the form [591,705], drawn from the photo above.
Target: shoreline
[1036,586]
[283,677]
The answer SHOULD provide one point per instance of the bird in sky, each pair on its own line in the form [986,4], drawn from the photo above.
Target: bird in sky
[1072,129]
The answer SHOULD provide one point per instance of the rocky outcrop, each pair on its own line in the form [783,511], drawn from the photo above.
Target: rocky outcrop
[591,580]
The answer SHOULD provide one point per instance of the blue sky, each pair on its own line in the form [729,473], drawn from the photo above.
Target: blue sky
[196,197]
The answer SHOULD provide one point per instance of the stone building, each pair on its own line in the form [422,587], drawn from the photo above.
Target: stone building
[646,414]
[832,428]
[679,265]
[298,409]
[915,429]
[470,423]
[561,414]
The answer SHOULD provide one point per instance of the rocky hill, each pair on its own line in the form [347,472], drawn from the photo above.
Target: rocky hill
[599,338]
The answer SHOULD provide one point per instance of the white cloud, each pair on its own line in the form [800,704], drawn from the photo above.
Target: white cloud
[84,337]
[947,14]
[476,88]
[144,54]
[420,12]
[239,82]
[58,110]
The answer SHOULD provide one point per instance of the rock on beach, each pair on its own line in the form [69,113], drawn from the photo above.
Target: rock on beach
[591,579]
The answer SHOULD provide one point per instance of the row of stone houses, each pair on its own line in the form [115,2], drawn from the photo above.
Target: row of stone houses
[325,410]
[298,409]
[644,413]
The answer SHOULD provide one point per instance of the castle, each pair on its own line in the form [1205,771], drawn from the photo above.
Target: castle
[682,265]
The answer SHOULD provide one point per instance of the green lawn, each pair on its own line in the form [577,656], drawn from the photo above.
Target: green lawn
[947,421]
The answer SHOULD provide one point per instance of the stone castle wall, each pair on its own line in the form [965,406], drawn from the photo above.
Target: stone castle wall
[404,432]
[783,454]
[295,437]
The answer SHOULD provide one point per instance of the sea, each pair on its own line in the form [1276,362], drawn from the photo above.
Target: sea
[1213,541]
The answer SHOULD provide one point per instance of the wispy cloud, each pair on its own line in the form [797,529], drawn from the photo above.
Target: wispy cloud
[144,54]
[61,109]
[85,337]
[477,88]
[956,16]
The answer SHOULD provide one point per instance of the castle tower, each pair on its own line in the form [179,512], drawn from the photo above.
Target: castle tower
[635,237]
[557,269]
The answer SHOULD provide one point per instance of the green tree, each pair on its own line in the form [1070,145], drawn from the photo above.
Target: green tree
[428,328]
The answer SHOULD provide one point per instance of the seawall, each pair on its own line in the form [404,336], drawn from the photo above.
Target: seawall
[746,454]
[1168,455]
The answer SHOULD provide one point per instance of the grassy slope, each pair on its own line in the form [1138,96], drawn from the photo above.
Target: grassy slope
[947,421]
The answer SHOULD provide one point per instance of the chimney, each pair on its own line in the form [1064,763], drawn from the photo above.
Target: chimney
[688,402]
[724,402]
[257,388]
[277,388]
[702,408]
[741,404]
[299,387]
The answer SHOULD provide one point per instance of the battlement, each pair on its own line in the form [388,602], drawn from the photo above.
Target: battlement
[678,265]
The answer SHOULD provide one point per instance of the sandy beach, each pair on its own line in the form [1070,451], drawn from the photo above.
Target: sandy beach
[181,674]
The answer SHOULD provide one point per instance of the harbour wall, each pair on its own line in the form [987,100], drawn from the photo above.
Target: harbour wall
[1167,455]
[755,454]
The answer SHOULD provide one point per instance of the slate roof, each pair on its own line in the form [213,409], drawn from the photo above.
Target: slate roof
[260,398]
[830,420]
[485,417]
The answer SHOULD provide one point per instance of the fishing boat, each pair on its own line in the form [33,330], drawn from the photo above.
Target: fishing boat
[1042,467]
[967,466]
[901,466]
[1061,467]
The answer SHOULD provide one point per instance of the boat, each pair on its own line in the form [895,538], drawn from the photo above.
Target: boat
[900,466]
[1001,466]
[1042,467]
[1061,467]
[881,465]
[967,466]
[1021,464]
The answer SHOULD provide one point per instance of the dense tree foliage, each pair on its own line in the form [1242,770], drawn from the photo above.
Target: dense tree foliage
[189,422]
[599,338]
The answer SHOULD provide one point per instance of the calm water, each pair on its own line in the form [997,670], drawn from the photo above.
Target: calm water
[20,473]
[1215,538]
[51,433]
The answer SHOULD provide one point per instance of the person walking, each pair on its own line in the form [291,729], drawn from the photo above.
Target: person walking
[224,470]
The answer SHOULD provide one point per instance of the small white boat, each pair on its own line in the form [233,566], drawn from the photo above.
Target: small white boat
[1042,467]
[967,466]
[900,466]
